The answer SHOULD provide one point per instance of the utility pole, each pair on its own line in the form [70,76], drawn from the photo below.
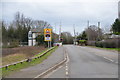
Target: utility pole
[98,30]
[74,34]
[60,31]
[88,26]
[88,23]
[74,29]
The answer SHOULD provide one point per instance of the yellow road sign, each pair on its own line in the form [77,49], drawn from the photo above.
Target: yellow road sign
[47,34]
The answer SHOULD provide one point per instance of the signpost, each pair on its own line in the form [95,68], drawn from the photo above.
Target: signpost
[48,35]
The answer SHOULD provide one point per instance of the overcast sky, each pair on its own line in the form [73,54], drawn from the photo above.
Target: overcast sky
[69,12]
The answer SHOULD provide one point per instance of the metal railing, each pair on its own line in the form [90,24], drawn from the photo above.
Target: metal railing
[27,60]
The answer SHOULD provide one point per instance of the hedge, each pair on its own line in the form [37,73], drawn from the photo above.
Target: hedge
[110,43]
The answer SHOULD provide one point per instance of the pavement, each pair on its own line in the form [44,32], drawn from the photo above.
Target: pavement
[34,71]
[87,62]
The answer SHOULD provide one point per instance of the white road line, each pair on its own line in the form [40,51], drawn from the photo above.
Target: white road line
[66,58]
[66,66]
[106,58]
[48,70]
[109,59]
[46,76]
[66,73]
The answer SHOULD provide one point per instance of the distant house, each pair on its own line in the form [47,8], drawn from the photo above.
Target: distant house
[111,36]
[114,36]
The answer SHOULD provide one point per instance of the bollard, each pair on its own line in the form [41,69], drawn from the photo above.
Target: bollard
[29,60]
[6,67]
[21,62]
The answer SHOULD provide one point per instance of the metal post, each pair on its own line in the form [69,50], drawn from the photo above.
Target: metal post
[74,34]
[48,44]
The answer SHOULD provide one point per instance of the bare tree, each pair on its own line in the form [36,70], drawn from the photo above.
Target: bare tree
[67,37]
[93,33]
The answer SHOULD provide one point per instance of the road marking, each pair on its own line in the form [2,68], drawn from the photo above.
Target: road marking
[66,66]
[49,69]
[109,59]
[106,58]
[66,73]
[66,70]
[66,59]
[46,76]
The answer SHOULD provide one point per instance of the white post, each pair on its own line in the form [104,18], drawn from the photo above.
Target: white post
[34,40]
[29,38]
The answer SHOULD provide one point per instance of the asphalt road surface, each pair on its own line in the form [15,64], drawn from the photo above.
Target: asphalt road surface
[87,62]
[82,62]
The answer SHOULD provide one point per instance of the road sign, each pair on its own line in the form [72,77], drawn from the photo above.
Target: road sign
[47,34]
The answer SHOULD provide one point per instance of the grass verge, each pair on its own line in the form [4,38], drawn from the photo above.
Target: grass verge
[13,68]
[115,49]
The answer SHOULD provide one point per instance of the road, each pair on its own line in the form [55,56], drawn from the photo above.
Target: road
[82,62]
[87,62]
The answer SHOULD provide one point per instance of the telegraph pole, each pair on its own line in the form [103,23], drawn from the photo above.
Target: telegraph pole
[74,34]
[88,26]
[88,23]
[60,31]
[98,30]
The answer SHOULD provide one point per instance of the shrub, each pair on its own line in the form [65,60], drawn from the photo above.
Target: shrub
[91,43]
[98,44]
[81,42]
[110,43]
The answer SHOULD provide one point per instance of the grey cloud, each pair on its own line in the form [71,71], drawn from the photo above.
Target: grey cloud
[69,12]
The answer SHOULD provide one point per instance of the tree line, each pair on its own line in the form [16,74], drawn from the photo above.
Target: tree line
[95,33]
[95,36]
[17,30]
